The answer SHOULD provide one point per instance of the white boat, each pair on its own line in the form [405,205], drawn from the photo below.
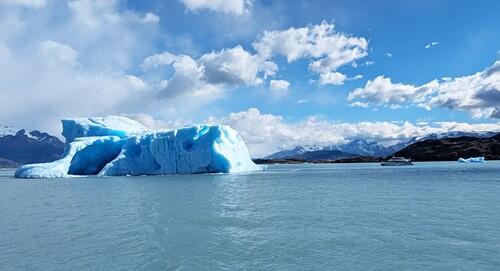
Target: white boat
[471,160]
[397,161]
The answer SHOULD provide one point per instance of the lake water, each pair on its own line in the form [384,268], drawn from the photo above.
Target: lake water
[436,216]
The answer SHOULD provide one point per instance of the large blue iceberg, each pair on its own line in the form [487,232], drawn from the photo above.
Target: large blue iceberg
[118,146]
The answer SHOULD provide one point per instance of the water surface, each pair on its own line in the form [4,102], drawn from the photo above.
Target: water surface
[436,216]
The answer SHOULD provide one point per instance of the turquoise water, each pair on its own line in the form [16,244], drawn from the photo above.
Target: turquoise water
[435,216]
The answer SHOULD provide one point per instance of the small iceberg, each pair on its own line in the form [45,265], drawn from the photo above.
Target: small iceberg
[118,146]
[471,160]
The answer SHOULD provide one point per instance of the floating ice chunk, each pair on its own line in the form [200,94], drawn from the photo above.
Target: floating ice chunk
[84,156]
[471,160]
[109,126]
[119,146]
[197,149]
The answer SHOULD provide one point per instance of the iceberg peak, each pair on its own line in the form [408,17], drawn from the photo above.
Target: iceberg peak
[109,126]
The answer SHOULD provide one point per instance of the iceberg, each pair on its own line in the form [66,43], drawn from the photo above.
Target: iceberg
[118,146]
[109,126]
[471,160]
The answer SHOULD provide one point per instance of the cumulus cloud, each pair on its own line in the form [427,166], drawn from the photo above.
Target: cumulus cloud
[236,7]
[326,48]
[236,66]
[208,76]
[150,18]
[71,64]
[332,78]
[279,85]
[381,91]
[431,44]
[268,133]
[157,60]
[478,94]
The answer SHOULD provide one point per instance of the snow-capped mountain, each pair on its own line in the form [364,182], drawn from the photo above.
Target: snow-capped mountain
[7,130]
[362,147]
[358,146]
[456,134]
[20,147]
[293,152]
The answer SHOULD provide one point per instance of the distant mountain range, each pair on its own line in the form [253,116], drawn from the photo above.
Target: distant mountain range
[19,147]
[364,148]
[357,147]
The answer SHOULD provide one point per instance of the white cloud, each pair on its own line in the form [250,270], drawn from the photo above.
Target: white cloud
[95,13]
[332,78]
[150,18]
[268,133]
[356,77]
[279,85]
[208,76]
[73,62]
[25,3]
[157,60]
[326,48]
[389,55]
[55,52]
[431,44]
[382,91]
[478,94]
[236,66]
[359,104]
[188,81]
[237,7]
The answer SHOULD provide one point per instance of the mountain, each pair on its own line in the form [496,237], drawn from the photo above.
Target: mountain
[358,147]
[363,148]
[308,154]
[450,149]
[24,148]
[287,153]
[456,134]
[5,163]
[324,155]
[7,130]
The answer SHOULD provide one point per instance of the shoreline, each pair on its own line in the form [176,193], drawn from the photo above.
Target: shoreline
[340,161]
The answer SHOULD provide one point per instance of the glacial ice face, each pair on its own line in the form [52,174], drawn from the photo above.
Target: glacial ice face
[103,147]
[197,149]
[84,156]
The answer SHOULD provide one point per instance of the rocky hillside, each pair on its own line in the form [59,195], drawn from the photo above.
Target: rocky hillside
[32,147]
[450,149]
[5,163]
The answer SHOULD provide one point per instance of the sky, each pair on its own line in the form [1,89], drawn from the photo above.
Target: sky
[282,73]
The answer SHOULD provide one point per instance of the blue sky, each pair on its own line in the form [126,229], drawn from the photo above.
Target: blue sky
[381,70]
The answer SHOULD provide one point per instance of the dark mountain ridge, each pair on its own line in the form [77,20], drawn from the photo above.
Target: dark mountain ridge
[450,149]
[32,147]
